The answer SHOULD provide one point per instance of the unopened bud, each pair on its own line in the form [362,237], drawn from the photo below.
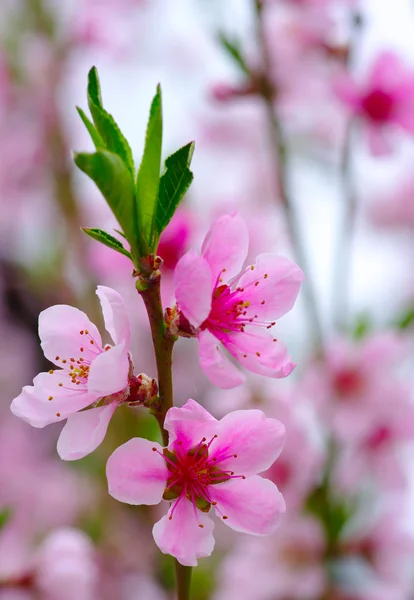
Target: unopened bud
[178,324]
[143,390]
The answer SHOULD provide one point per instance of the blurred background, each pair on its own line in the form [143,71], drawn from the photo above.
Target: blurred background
[303,116]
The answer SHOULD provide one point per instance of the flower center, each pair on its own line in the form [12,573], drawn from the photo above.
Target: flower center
[192,472]
[379,437]
[347,383]
[231,310]
[378,105]
[78,366]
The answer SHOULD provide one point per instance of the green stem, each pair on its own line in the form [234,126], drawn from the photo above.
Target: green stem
[280,150]
[163,347]
[183,580]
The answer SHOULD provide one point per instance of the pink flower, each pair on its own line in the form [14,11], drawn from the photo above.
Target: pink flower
[208,463]
[225,307]
[92,375]
[66,566]
[289,565]
[174,239]
[384,100]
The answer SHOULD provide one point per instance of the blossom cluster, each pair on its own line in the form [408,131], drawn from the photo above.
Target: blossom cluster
[303,127]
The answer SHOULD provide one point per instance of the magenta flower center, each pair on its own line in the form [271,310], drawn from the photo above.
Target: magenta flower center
[230,309]
[192,472]
[378,105]
[348,383]
[379,437]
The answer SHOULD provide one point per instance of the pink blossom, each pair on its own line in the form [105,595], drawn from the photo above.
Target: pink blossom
[91,375]
[289,565]
[66,566]
[208,463]
[355,379]
[382,101]
[384,538]
[174,239]
[224,307]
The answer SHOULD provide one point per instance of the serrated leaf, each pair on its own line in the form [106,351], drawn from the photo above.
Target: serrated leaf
[148,177]
[233,49]
[94,87]
[96,138]
[112,137]
[114,181]
[173,185]
[107,239]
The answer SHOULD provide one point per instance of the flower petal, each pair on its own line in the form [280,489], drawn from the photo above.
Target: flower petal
[108,373]
[33,404]
[218,368]
[252,505]
[59,332]
[226,245]
[379,140]
[136,474]
[189,424]
[84,432]
[193,284]
[182,536]
[271,287]
[115,315]
[255,439]
[259,352]
[28,408]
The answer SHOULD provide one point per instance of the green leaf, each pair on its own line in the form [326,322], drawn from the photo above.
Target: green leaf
[406,320]
[173,185]
[5,514]
[96,138]
[117,186]
[362,327]
[106,239]
[112,137]
[94,87]
[149,171]
[233,49]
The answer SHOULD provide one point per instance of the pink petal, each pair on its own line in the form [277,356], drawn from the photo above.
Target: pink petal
[136,473]
[115,315]
[226,245]
[59,332]
[193,287]
[347,91]
[33,404]
[189,425]
[379,140]
[28,408]
[182,537]
[256,440]
[271,287]
[404,114]
[84,432]
[257,351]
[387,71]
[108,373]
[218,368]
[253,505]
